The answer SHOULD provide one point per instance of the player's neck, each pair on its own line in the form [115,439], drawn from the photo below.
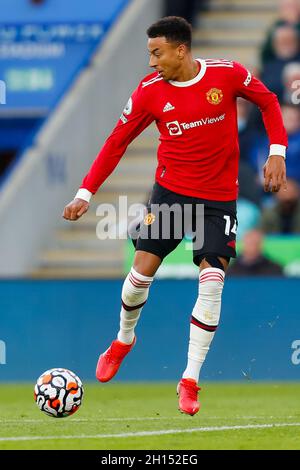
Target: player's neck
[188,71]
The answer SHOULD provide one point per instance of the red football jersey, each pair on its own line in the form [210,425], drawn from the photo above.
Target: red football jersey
[197,120]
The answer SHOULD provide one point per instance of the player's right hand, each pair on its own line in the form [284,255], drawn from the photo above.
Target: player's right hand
[75,209]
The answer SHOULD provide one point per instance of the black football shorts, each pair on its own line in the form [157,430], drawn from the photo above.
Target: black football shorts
[170,217]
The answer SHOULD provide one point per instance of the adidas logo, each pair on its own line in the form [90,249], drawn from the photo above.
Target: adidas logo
[168,107]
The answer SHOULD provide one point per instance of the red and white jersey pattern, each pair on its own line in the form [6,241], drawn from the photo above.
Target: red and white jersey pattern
[197,120]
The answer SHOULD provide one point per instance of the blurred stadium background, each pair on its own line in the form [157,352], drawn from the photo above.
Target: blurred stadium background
[67,69]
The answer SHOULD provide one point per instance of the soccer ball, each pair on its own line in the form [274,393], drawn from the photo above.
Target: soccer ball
[58,392]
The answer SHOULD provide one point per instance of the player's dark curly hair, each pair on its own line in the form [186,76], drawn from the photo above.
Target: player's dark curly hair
[173,28]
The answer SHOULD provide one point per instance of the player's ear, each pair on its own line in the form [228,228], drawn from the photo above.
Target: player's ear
[181,51]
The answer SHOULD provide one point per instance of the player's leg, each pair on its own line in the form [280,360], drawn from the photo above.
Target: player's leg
[206,313]
[151,248]
[213,260]
[204,322]
[150,251]
[135,292]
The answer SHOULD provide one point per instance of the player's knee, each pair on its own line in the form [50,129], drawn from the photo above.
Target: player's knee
[208,306]
[215,261]
[145,263]
[211,283]
[135,288]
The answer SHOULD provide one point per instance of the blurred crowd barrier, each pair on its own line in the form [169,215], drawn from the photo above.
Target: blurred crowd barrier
[68,323]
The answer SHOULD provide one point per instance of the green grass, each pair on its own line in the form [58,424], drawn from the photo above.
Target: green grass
[131,408]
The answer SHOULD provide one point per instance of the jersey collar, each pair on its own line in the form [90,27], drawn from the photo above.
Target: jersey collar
[194,80]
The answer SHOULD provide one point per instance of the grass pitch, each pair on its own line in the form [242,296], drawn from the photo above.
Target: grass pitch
[145,416]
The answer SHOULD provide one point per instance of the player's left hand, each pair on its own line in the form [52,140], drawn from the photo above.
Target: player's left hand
[275,174]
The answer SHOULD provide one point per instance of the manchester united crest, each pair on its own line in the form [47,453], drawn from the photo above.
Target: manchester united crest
[149,219]
[214,96]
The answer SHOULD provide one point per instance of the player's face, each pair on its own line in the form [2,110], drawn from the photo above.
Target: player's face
[165,57]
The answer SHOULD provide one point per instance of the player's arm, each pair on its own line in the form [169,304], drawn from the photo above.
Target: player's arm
[134,119]
[252,89]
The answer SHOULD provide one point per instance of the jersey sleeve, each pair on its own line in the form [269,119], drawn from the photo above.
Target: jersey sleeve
[134,119]
[249,87]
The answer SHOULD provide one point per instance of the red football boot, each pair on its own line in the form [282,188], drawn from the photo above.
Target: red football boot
[110,361]
[187,390]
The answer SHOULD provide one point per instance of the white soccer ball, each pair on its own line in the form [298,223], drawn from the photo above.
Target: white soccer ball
[58,392]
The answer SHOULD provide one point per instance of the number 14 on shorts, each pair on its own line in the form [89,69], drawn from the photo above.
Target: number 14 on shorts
[228,225]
